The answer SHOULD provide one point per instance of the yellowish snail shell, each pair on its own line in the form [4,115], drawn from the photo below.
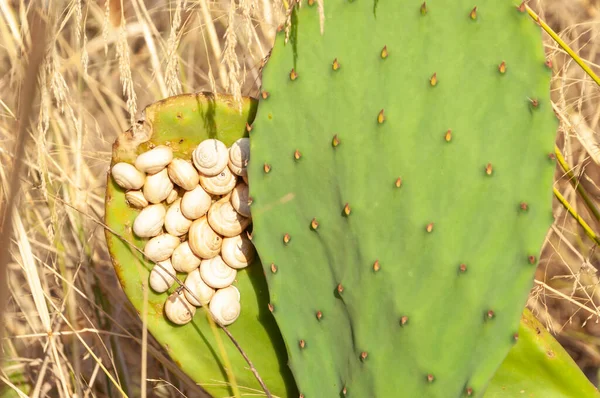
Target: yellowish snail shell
[210,157]
[195,203]
[161,247]
[150,221]
[175,222]
[183,174]
[136,199]
[172,197]
[154,160]
[204,242]
[224,220]
[183,259]
[221,184]
[216,274]
[240,199]
[127,176]
[202,292]
[225,305]
[160,276]
[239,155]
[178,310]
[158,187]
[237,252]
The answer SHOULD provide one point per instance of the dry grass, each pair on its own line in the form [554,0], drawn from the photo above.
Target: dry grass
[69,328]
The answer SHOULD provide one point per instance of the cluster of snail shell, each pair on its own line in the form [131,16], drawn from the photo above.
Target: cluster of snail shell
[194,215]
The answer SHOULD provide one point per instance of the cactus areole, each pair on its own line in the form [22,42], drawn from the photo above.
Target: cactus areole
[390,158]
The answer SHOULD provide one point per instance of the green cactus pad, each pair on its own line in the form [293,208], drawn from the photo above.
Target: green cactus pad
[402,190]
[182,122]
[538,366]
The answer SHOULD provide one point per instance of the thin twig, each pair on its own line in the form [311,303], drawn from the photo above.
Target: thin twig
[252,368]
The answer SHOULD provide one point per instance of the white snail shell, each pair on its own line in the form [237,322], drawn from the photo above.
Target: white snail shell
[237,252]
[183,259]
[158,187]
[225,305]
[216,274]
[128,177]
[195,203]
[178,310]
[240,200]
[154,160]
[175,222]
[183,174]
[136,199]
[204,242]
[211,157]
[220,184]
[224,220]
[201,290]
[161,247]
[239,155]
[150,221]
[160,277]
[172,196]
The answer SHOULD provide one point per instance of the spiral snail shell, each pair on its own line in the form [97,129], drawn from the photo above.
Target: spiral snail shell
[240,199]
[160,277]
[161,247]
[178,310]
[220,184]
[183,259]
[128,177]
[183,174]
[210,157]
[216,274]
[136,199]
[202,292]
[239,155]
[150,221]
[175,222]
[158,187]
[225,221]
[195,203]
[204,242]
[154,160]
[237,252]
[225,305]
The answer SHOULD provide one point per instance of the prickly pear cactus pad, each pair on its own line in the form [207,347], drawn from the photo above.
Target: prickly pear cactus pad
[538,366]
[401,186]
[181,123]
